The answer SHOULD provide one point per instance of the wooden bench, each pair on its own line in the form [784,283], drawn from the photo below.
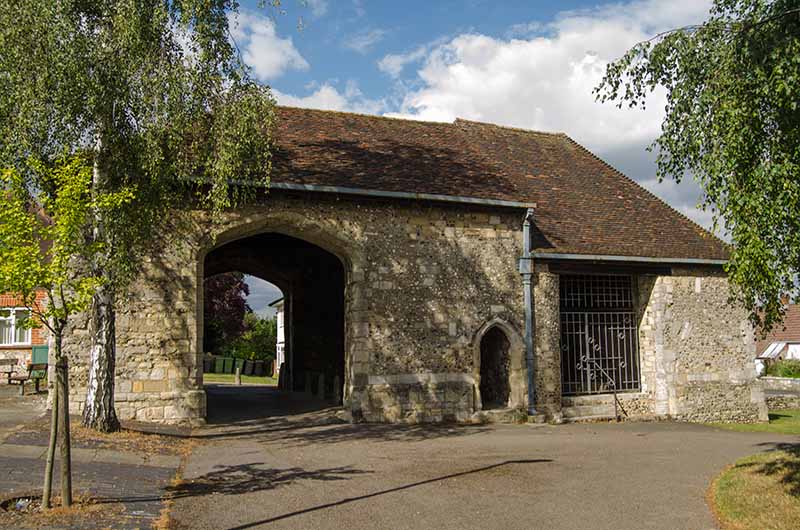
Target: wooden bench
[36,372]
[8,367]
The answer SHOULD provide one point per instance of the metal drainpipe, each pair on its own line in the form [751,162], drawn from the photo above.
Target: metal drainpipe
[526,270]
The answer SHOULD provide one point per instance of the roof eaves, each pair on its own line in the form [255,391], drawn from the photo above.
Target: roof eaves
[627,259]
[401,195]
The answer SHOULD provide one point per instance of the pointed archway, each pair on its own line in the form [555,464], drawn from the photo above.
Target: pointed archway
[495,387]
[498,362]
[313,283]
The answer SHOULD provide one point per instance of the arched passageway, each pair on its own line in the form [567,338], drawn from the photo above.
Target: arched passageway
[495,369]
[313,282]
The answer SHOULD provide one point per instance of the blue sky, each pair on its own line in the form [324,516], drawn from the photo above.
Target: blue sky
[529,64]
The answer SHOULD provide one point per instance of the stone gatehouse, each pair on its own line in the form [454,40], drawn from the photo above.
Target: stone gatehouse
[397,245]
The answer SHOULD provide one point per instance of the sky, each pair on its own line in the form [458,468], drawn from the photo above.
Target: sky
[530,64]
[262,293]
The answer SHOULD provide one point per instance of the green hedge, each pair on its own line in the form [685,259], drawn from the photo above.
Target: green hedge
[784,368]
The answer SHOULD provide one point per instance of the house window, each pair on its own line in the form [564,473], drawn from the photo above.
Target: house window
[12,329]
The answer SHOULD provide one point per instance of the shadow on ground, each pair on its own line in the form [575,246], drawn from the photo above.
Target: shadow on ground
[388,491]
[788,466]
[268,415]
[248,478]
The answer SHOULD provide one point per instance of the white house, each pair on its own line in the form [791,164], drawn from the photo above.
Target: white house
[280,342]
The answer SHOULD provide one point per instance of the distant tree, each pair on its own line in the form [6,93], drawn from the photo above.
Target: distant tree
[225,307]
[41,237]
[259,338]
[155,92]
[733,121]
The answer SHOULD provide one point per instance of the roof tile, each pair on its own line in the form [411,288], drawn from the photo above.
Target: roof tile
[584,206]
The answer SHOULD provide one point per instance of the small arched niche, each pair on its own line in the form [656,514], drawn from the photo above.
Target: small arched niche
[498,366]
[495,369]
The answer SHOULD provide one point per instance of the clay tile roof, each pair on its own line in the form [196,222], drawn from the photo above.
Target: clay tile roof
[583,205]
[786,331]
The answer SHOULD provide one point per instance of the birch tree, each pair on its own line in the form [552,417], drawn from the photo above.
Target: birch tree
[156,93]
[42,236]
[733,122]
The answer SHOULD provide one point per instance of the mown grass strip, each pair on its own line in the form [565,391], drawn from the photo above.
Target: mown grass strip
[247,379]
[780,422]
[760,492]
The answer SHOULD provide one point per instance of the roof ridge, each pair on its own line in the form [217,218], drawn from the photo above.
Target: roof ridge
[456,121]
[509,127]
[648,192]
[364,115]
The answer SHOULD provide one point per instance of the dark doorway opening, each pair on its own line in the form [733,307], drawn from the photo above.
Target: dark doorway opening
[312,282]
[495,366]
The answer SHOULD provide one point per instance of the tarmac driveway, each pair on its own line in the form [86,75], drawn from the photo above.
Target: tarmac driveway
[296,468]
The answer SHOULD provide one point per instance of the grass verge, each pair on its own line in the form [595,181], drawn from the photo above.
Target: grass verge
[760,492]
[247,379]
[780,422]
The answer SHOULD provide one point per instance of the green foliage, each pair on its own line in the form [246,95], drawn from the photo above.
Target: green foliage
[42,239]
[224,309]
[258,340]
[156,92]
[784,368]
[733,122]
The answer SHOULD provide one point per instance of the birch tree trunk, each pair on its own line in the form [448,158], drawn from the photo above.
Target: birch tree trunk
[99,413]
[51,448]
[64,442]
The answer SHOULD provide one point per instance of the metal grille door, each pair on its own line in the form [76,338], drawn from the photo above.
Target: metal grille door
[599,335]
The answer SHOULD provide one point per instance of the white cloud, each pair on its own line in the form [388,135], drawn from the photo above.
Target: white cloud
[362,42]
[545,80]
[393,64]
[327,97]
[262,293]
[262,49]
[318,7]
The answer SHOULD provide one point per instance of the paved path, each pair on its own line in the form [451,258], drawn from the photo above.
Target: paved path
[131,482]
[16,410]
[277,464]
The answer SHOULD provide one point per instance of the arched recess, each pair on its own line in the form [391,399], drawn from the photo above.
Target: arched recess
[327,238]
[517,380]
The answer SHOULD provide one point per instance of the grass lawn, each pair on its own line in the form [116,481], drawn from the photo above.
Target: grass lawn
[762,492]
[780,421]
[247,379]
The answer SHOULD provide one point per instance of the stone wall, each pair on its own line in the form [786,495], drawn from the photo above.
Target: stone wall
[696,350]
[547,360]
[422,281]
[781,385]
[781,392]
[783,401]
[417,398]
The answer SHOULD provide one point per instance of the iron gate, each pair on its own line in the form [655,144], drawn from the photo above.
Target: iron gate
[599,335]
